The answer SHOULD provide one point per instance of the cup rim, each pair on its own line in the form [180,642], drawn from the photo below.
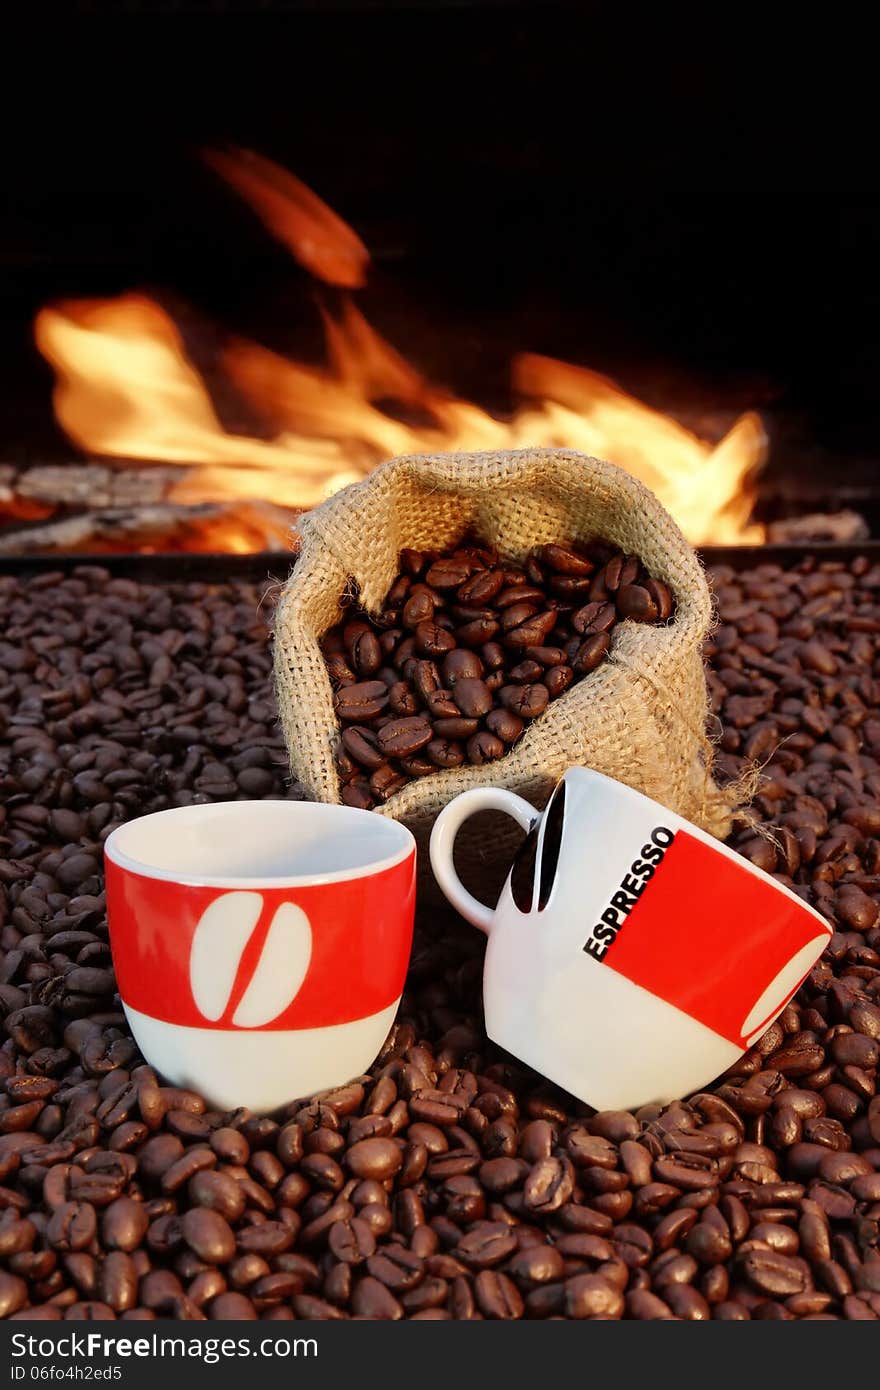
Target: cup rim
[123,860]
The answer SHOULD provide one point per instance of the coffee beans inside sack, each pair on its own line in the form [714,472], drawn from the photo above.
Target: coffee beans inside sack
[467,651]
[531,678]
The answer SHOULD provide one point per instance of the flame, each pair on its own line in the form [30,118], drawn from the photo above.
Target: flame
[126,389]
[295,216]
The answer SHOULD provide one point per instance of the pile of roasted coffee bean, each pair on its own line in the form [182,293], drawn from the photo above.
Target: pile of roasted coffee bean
[450,1182]
[469,650]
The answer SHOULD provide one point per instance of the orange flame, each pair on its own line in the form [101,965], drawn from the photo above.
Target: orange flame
[126,389]
[295,216]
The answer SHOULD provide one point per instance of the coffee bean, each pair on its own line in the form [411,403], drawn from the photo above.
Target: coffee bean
[22,1089]
[563,560]
[610,576]
[504,724]
[460,665]
[352,1242]
[164,1234]
[525,701]
[397,1268]
[271,1290]
[687,1302]
[478,632]
[231,1306]
[432,640]
[218,1192]
[536,1264]
[123,1224]
[426,679]
[493,655]
[374,1158]
[371,1299]
[196,1158]
[481,588]
[497,1295]
[557,680]
[662,598]
[401,701]
[358,795]
[773,1274]
[419,607]
[449,573]
[591,651]
[594,617]
[361,744]
[486,1245]
[590,1296]
[443,752]
[569,588]
[709,1241]
[632,1245]
[377,1218]
[441,705]
[545,656]
[364,700]
[636,603]
[209,1235]
[456,727]
[472,697]
[403,737]
[533,632]
[72,1226]
[526,672]
[366,654]
[549,1184]
[484,748]
[690,1171]
[268,1238]
[118,1281]
[13,1294]
[323,1171]
[384,782]
[518,596]
[646,1306]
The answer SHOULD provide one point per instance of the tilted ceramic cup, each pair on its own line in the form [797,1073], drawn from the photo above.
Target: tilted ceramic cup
[631,956]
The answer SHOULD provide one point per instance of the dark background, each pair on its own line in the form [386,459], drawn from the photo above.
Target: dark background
[692,210]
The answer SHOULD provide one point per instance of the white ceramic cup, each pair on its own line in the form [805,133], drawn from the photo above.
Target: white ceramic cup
[260,947]
[631,956]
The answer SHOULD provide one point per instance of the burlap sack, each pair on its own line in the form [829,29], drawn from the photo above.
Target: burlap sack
[640,717]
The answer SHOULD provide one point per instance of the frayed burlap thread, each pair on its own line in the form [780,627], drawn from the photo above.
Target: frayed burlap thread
[640,717]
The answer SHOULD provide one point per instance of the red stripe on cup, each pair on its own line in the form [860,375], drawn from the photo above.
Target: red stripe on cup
[676,940]
[319,954]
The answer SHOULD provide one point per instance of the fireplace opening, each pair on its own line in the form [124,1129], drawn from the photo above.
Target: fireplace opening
[234,286]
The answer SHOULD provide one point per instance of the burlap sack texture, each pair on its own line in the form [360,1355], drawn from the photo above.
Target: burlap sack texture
[640,717]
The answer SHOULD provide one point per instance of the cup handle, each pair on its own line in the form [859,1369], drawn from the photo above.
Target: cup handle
[447,826]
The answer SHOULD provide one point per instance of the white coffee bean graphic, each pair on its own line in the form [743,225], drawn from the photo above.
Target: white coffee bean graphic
[223,931]
[280,970]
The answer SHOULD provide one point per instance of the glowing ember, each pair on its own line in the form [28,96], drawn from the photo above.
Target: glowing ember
[126,389]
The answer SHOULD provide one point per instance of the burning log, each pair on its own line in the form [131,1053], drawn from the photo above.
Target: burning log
[94,485]
[78,507]
[841,528]
[166,526]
